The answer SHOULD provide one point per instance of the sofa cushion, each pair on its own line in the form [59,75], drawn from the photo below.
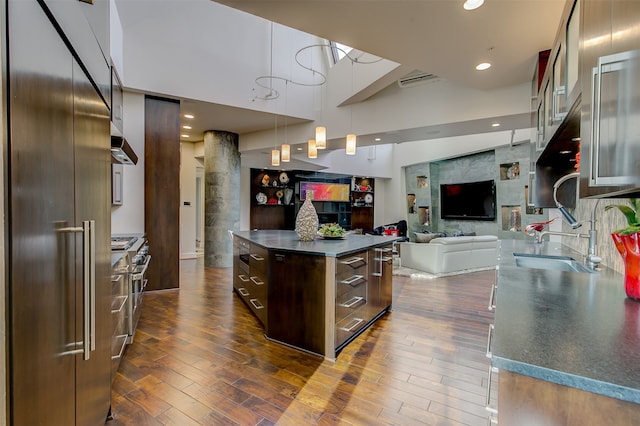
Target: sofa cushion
[425,237]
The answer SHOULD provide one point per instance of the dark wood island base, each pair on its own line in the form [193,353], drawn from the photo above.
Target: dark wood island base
[314,296]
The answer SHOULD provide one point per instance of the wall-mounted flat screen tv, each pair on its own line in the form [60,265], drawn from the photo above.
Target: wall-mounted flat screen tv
[323,191]
[468,201]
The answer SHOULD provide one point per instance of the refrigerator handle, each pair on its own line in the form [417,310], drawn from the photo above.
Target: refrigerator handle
[88,296]
[89,287]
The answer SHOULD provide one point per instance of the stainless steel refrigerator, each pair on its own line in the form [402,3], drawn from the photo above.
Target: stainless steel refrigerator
[58,229]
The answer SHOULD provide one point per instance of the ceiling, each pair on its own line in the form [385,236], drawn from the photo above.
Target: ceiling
[434,36]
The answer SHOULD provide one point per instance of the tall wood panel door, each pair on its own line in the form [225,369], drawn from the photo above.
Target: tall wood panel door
[162,190]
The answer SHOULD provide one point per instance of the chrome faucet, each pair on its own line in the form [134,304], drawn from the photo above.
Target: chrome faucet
[592,259]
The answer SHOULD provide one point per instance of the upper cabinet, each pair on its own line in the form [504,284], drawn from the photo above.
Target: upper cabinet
[559,89]
[610,145]
[86,25]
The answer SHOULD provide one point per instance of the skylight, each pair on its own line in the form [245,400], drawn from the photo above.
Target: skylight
[339,51]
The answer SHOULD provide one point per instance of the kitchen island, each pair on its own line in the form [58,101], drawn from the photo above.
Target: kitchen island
[567,344]
[316,296]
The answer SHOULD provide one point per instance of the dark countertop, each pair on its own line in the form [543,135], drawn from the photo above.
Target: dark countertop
[288,241]
[569,328]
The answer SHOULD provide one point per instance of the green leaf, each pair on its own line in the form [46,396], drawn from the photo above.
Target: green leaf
[628,212]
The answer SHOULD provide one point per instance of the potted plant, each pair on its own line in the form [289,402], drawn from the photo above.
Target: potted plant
[627,242]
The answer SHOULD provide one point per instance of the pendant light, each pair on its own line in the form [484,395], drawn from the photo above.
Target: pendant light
[350,148]
[286,153]
[312,149]
[321,137]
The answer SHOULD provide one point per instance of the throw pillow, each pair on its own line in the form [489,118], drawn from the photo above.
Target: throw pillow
[422,237]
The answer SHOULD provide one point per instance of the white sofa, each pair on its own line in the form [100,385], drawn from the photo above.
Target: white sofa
[445,255]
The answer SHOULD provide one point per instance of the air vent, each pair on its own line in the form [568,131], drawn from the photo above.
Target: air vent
[414,80]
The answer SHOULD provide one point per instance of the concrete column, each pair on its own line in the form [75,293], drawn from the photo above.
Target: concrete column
[221,196]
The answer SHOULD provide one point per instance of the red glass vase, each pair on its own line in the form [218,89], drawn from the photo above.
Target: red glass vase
[628,247]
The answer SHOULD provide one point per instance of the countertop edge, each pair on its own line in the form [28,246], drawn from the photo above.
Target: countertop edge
[567,379]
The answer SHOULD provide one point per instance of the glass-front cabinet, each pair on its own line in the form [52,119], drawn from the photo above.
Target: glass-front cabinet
[610,134]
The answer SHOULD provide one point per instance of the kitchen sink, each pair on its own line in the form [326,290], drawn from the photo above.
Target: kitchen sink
[553,263]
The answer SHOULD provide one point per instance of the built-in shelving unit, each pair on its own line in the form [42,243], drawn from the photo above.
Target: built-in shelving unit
[276,197]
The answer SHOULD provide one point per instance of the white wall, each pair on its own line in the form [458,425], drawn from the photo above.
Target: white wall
[129,217]
[224,51]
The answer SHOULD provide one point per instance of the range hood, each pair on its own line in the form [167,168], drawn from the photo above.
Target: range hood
[122,152]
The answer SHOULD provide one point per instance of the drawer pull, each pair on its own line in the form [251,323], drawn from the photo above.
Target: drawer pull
[124,343]
[492,304]
[489,338]
[353,324]
[352,260]
[351,302]
[243,291]
[352,280]
[257,257]
[488,407]
[243,278]
[122,300]
[257,281]
[256,303]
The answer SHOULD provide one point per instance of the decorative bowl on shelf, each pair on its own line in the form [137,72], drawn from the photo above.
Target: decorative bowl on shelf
[261,198]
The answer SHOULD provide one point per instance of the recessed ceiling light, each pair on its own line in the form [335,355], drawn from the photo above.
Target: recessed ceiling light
[472,4]
[495,125]
[483,66]
[184,136]
[188,116]
[378,139]
[186,127]
[299,149]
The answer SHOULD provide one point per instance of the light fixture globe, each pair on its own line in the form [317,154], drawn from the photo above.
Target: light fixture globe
[350,148]
[321,137]
[312,149]
[275,157]
[285,155]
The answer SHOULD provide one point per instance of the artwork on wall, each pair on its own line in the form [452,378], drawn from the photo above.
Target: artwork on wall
[510,171]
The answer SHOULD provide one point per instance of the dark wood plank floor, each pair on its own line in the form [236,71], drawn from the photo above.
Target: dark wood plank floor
[200,357]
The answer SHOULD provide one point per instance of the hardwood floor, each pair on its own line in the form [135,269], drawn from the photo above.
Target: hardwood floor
[200,357]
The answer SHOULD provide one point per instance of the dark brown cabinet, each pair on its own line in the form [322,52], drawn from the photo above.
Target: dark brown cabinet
[250,276]
[610,136]
[272,200]
[362,202]
[297,293]
[276,199]
[352,296]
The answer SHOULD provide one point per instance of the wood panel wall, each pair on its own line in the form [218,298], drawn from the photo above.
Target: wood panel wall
[162,190]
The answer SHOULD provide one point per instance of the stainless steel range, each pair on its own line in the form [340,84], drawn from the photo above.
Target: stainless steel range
[137,249]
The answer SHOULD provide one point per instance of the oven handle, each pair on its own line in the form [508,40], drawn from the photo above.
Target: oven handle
[139,275]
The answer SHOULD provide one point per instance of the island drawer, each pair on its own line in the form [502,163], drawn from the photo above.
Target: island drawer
[350,325]
[348,282]
[347,264]
[258,258]
[350,302]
